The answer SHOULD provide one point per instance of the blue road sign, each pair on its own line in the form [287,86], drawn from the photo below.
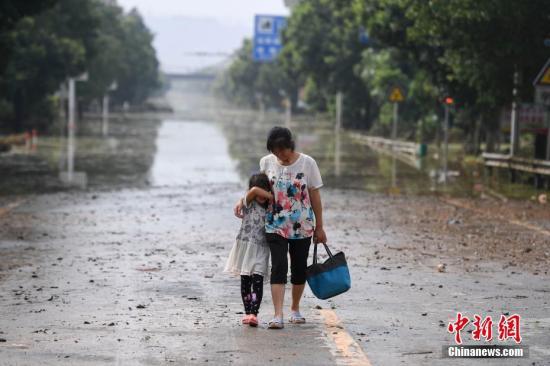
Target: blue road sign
[267,37]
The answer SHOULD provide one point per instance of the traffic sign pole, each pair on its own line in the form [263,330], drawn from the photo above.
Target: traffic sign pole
[446,143]
[395,120]
[396,96]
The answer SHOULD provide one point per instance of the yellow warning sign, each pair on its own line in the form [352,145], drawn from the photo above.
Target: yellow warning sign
[396,95]
[545,77]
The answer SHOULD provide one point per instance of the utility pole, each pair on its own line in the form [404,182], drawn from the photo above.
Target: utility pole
[71,130]
[337,130]
[339,110]
[288,112]
[260,100]
[514,129]
[448,102]
[105,124]
[62,94]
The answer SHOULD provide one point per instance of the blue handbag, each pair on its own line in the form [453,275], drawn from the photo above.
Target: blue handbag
[330,278]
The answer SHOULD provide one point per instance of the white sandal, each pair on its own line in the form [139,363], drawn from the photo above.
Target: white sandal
[296,318]
[276,323]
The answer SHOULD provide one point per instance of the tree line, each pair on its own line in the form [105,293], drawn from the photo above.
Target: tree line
[466,49]
[44,42]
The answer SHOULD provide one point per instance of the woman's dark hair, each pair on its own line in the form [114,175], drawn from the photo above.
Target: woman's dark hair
[280,138]
[260,180]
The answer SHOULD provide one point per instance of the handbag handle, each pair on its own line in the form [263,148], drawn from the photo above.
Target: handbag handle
[315,252]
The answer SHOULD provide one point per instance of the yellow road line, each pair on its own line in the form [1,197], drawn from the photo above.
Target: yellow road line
[524,224]
[346,350]
[6,209]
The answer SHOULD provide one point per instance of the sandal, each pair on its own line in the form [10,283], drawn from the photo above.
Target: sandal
[246,319]
[253,320]
[276,323]
[296,318]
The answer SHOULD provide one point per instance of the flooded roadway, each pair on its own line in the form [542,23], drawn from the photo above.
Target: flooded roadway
[124,266]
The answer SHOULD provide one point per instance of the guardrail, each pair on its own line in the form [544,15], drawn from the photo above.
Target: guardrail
[406,152]
[403,147]
[533,166]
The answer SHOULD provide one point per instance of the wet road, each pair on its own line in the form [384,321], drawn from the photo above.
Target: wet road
[128,270]
[117,281]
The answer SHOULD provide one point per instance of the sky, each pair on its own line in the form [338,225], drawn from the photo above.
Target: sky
[184,27]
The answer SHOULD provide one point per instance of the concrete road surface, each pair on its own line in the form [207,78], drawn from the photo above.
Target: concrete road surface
[133,276]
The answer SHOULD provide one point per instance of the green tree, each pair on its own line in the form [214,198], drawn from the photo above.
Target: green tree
[237,83]
[467,49]
[105,67]
[139,72]
[247,82]
[11,11]
[483,43]
[67,38]
[323,38]
[46,49]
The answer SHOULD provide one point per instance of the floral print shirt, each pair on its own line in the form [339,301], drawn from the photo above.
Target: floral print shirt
[291,215]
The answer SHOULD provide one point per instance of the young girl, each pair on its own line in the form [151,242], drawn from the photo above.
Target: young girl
[249,256]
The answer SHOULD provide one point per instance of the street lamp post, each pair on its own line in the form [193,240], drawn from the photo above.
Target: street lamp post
[71,126]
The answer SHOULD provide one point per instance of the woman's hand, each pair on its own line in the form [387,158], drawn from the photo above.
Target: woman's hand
[319,235]
[238,209]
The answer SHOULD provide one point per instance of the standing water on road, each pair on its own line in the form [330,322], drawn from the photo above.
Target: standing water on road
[210,144]
[191,153]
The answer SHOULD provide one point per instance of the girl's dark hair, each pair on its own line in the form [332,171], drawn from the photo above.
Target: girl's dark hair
[280,138]
[259,180]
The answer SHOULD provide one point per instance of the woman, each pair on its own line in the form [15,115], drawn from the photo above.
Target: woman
[293,219]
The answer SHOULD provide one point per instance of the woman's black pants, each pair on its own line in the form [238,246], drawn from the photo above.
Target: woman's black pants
[298,249]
